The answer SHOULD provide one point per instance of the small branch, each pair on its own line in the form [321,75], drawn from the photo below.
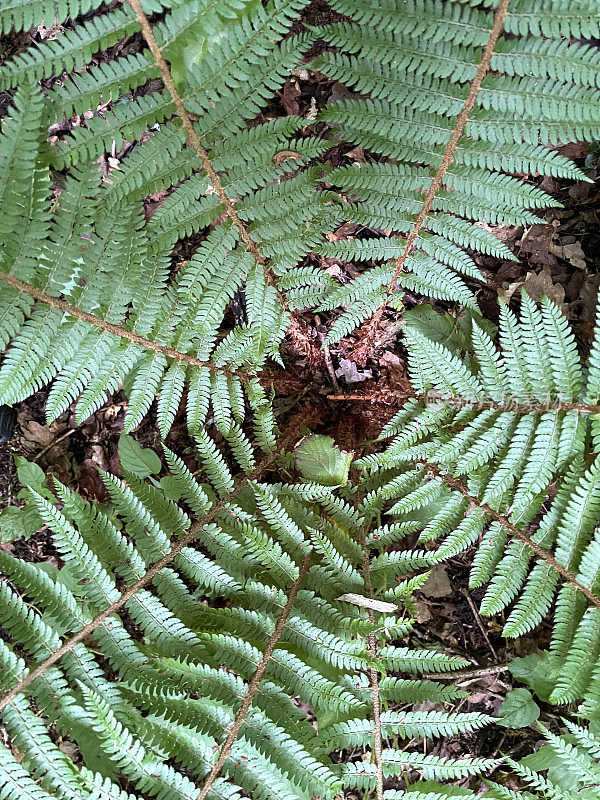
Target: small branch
[364,397]
[43,297]
[254,683]
[155,568]
[53,443]
[540,552]
[478,620]
[194,141]
[463,677]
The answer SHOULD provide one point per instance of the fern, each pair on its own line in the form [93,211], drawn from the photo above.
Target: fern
[152,332]
[197,697]
[414,62]
[190,625]
[432,103]
[571,762]
[509,431]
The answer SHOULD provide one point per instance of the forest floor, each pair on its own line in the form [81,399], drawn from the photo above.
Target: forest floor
[559,257]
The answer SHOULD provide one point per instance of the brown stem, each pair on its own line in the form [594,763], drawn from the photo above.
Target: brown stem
[448,158]
[539,552]
[390,397]
[519,408]
[254,683]
[479,622]
[155,568]
[372,649]
[459,129]
[194,141]
[462,677]
[117,330]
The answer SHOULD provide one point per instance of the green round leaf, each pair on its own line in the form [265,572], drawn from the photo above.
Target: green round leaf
[29,473]
[535,670]
[19,523]
[136,459]
[319,460]
[519,709]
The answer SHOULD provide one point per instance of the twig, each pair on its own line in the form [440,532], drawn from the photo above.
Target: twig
[366,397]
[54,442]
[462,677]
[254,683]
[43,297]
[478,620]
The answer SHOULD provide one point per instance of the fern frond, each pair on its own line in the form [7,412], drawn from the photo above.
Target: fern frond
[506,430]
[451,89]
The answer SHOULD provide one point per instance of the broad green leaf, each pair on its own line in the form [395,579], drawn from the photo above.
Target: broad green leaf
[19,523]
[319,460]
[137,460]
[30,474]
[519,709]
[534,671]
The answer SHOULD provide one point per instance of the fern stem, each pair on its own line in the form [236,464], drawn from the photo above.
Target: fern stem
[518,408]
[372,648]
[459,129]
[540,552]
[461,123]
[194,141]
[256,679]
[390,397]
[157,566]
[117,330]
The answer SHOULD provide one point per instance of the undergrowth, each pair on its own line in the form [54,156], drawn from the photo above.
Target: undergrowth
[245,628]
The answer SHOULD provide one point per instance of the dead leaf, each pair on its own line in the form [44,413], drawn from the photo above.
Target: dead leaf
[540,284]
[312,112]
[357,154]
[70,749]
[506,291]
[438,583]
[42,435]
[573,253]
[350,372]
[536,243]
[423,612]
[289,97]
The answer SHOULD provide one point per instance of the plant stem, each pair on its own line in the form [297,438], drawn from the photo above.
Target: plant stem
[373,648]
[194,141]
[539,552]
[448,158]
[55,302]
[254,683]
